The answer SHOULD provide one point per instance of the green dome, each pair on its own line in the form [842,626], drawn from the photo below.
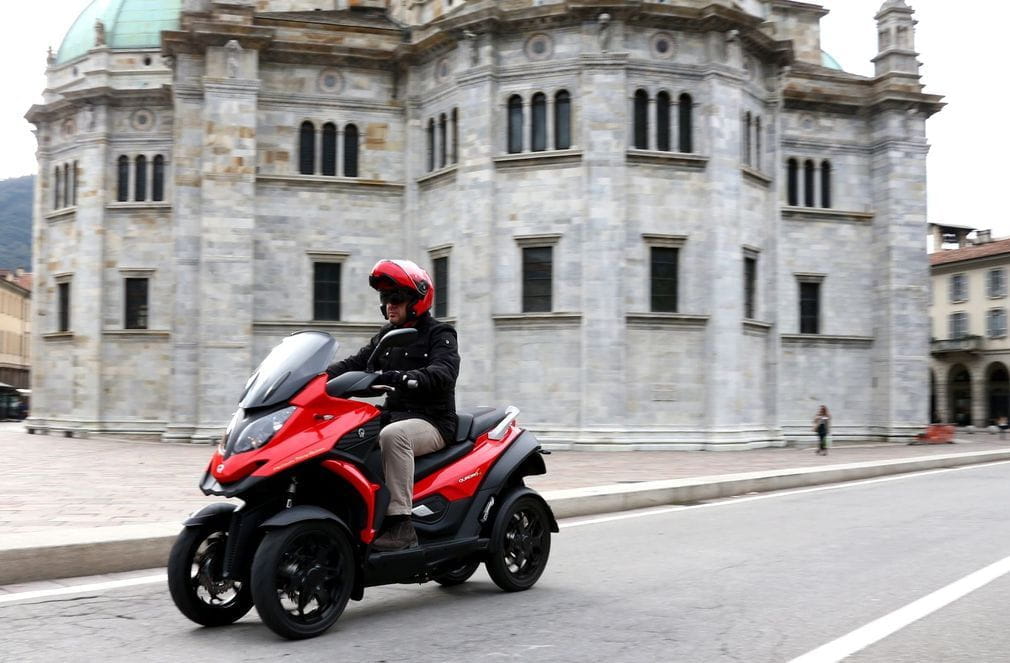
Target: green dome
[829,62]
[128,24]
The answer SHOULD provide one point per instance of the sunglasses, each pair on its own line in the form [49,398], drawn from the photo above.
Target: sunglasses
[395,298]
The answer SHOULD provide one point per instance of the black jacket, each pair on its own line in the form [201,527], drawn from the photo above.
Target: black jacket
[432,359]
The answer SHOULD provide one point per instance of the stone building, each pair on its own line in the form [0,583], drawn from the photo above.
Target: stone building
[15,328]
[666,224]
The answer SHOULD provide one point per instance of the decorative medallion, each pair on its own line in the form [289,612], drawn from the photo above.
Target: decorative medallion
[330,81]
[539,47]
[662,45]
[442,69]
[142,120]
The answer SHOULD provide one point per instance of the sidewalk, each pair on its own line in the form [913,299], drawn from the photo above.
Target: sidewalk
[61,491]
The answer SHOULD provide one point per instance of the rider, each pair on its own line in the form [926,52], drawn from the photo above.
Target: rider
[420,415]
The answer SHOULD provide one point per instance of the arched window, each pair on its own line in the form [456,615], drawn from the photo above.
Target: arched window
[455,135]
[663,121]
[757,143]
[641,120]
[329,166]
[562,120]
[442,141]
[685,110]
[538,118]
[350,151]
[158,178]
[826,184]
[746,138]
[57,187]
[74,179]
[808,183]
[515,124]
[140,179]
[307,149]
[123,179]
[793,183]
[67,184]
[431,145]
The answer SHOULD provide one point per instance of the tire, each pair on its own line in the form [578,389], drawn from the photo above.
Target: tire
[194,578]
[302,576]
[522,545]
[459,575]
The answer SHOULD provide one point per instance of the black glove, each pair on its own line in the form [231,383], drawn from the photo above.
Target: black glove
[391,378]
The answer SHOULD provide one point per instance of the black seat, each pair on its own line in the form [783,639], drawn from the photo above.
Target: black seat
[470,424]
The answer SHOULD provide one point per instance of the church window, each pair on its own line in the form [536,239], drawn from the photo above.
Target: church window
[442,141]
[996,323]
[431,145]
[515,124]
[140,185]
[123,179]
[538,119]
[350,151]
[441,268]
[329,155]
[663,121]
[810,307]
[750,287]
[57,179]
[809,177]
[792,183]
[307,149]
[326,291]
[641,120]
[562,120]
[663,278]
[537,278]
[826,184]
[73,200]
[135,316]
[757,143]
[746,138]
[685,114]
[958,324]
[158,178]
[63,306]
[455,135]
[67,184]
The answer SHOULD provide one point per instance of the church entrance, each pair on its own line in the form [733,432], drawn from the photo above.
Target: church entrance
[997,392]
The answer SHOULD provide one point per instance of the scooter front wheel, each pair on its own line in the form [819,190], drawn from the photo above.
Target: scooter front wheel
[522,545]
[302,576]
[196,582]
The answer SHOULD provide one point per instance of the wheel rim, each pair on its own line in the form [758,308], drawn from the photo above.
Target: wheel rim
[310,578]
[206,571]
[524,543]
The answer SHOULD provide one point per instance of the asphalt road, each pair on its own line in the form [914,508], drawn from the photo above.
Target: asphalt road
[764,578]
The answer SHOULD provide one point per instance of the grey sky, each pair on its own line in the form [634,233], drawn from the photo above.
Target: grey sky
[961,46]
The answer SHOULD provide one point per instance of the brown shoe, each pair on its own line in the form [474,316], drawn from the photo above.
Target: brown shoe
[400,535]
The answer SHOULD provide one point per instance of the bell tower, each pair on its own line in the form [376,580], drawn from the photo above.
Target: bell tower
[896,40]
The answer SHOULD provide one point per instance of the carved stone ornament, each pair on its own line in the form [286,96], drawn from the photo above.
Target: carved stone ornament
[472,42]
[99,32]
[539,47]
[50,56]
[234,53]
[604,31]
[88,117]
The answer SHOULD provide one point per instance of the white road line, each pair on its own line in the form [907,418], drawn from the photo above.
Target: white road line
[879,629]
[81,589]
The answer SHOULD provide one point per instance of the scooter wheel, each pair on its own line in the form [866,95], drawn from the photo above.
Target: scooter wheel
[458,575]
[523,543]
[302,576]
[195,579]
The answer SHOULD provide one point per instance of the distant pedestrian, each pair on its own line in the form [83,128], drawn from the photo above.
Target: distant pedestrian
[821,423]
[1003,424]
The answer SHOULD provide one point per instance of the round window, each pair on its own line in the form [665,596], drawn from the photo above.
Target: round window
[539,47]
[330,80]
[662,45]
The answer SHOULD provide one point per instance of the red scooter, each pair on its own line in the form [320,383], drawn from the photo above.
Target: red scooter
[304,459]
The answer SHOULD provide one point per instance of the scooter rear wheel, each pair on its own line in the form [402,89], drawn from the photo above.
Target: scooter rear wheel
[458,575]
[195,579]
[519,554]
[302,576]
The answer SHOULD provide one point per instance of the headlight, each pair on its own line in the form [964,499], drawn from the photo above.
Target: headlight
[260,431]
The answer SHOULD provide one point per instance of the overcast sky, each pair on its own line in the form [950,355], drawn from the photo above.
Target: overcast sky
[962,45]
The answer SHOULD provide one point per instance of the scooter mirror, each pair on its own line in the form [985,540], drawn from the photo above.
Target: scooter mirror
[396,338]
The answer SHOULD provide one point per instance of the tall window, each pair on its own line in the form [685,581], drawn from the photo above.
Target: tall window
[663,121]
[307,149]
[792,183]
[810,308]
[538,118]
[441,266]
[641,120]
[136,304]
[442,141]
[431,145]
[826,184]
[562,120]
[58,187]
[67,185]
[75,174]
[757,142]
[350,151]
[123,179]
[808,183]
[63,306]
[746,128]
[958,324]
[140,183]
[685,111]
[959,288]
[515,124]
[158,179]
[996,282]
[996,323]
[329,149]
[455,136]
[537,277]
[663,278]
[750,287]
[326,291]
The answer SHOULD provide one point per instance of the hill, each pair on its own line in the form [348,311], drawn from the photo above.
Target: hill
[16,222]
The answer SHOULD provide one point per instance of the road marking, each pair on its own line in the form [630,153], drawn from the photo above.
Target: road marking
[879,629]
[81,589]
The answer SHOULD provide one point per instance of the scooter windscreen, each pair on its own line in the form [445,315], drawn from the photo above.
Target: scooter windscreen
[288,368]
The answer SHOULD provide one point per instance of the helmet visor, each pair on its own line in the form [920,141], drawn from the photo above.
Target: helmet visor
[395,297]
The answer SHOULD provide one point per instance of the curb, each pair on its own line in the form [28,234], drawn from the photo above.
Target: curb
[70,553]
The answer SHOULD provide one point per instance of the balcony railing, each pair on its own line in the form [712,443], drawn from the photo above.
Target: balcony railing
[950,345]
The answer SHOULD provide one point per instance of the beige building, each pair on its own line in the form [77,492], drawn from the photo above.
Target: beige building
[15,327]
[968,309]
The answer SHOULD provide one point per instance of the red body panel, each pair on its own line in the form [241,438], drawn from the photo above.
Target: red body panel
[461,479]
[366,489]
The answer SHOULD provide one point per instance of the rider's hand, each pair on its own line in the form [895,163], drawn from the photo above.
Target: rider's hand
[391,378]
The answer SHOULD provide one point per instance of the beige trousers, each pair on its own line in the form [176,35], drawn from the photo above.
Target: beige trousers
[400,442]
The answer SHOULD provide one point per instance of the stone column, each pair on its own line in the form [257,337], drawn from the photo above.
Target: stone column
[979,398]
[551,139]
[652,132]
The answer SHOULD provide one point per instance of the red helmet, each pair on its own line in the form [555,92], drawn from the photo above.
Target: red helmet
[406,276]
